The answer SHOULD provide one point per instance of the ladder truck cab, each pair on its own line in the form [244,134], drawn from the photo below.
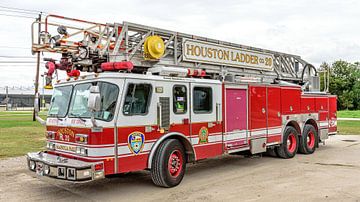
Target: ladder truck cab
[144,98]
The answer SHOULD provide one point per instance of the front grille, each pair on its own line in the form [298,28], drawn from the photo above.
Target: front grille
[165,112]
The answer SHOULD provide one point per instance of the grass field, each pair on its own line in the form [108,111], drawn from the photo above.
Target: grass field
[349,114]
[19,134]
[348,127]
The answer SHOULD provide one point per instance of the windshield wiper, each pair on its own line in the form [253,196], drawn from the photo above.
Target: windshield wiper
[77,116]
[56,116]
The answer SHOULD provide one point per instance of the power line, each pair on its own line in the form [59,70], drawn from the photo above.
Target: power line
[15,56]
[19,62]
[19,16]
[15,47]
[18,66]
[21,9]
[21,12]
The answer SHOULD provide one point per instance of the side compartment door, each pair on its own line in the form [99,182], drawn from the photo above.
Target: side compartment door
[322,108]
[235,117]
[206,127]
[273,115]
[332,115]
[290,100]
[257,112]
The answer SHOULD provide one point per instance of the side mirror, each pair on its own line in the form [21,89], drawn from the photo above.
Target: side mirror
[94,99]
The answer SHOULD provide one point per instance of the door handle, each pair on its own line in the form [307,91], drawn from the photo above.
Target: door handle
[149,129]
[217,112]
[159,118]
[211,124]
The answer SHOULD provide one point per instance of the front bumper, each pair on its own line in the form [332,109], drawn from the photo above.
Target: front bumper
[45,164]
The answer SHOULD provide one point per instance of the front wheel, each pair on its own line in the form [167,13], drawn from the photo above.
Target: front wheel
[168,164]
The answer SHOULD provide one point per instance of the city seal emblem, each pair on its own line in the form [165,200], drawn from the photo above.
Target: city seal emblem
[136,142]
[203,135]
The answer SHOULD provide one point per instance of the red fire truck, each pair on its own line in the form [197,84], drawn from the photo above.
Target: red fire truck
[144,98]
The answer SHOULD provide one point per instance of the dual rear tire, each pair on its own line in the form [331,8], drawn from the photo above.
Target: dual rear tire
[308,140]
[290,143]
[293,142]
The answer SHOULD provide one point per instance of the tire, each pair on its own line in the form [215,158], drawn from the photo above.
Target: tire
[308,140]
[290,143]
[169,163]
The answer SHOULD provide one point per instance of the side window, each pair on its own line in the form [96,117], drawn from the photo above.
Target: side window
[179,99]
[109,94]
[202,100]
[137,99]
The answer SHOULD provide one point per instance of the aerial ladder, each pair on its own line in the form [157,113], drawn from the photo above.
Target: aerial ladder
[95,47]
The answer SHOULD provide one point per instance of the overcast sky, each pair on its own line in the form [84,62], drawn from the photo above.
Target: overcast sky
[317,30]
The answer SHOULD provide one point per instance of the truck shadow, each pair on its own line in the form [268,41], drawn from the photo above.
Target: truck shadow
[131,183]
[124,184]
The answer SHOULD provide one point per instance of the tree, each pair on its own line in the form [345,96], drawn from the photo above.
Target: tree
[345,83]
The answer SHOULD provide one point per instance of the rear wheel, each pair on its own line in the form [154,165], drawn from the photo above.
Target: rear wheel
[290,143]
[308,140]
[168,164]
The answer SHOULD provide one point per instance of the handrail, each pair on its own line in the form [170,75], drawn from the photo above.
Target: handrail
[67,18]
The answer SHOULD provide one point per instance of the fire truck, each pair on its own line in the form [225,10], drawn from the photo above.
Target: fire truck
[144,98]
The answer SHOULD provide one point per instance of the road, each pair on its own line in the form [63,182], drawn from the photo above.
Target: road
[332,173]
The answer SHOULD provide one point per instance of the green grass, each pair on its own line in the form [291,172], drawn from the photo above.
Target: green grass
[349,114]
[349,127]
[19,134]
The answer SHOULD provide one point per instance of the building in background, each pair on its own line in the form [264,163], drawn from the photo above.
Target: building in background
[22,98]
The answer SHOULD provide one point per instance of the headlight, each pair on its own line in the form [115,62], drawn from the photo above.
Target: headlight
[82,151]
[81,138]
[46,170]
[50,145]
[50,134]
[32,165]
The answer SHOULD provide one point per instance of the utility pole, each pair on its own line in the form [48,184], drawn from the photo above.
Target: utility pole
[7,91]
[7,97]
[37,67]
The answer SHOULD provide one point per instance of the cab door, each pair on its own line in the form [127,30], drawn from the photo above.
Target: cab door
[206,124]
[180,108]
[137,128]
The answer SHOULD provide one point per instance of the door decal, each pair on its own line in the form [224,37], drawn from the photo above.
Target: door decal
[136,142]
[203,135]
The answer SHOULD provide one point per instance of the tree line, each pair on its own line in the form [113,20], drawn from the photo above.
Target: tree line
[344,82]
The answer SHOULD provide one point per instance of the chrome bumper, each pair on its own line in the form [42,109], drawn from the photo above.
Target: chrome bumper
[45,164]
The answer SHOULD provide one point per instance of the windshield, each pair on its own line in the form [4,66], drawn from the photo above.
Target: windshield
[60,101]
[108,94]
